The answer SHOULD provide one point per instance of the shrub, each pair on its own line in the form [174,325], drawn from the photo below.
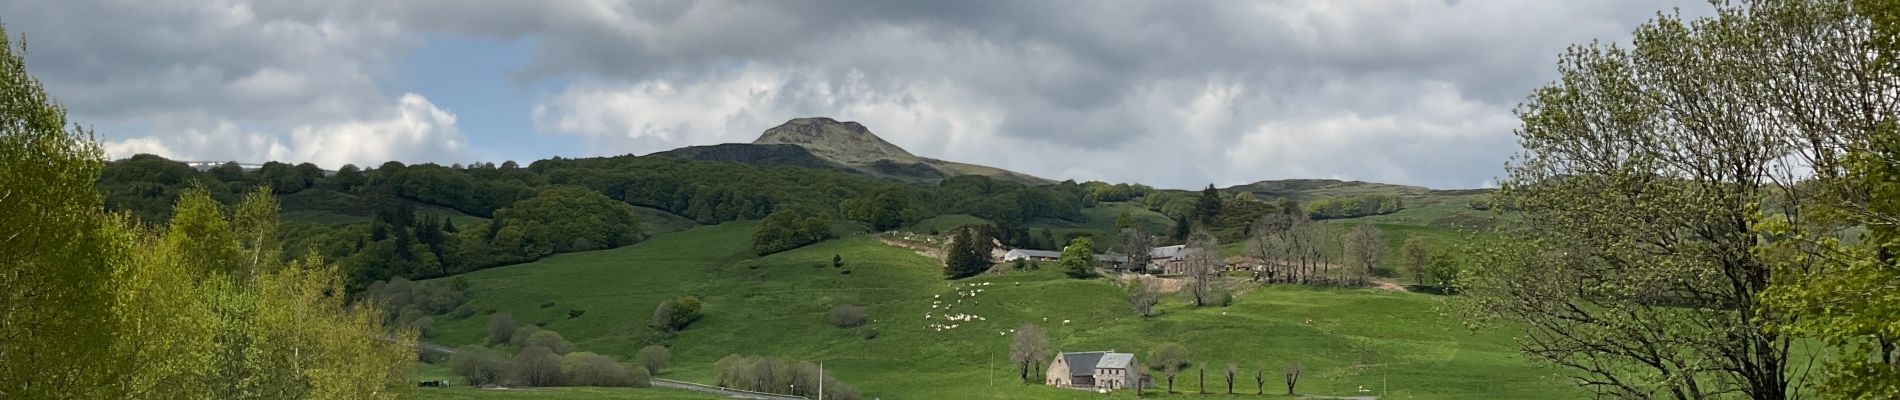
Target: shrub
[847,316]
[589,369]
[551,340]
[652,358]
[536,366]
[463,311]
[425,326]
[677,314]
[522,334]
[501,327]
[777,375]
[1220,298]
[479,366]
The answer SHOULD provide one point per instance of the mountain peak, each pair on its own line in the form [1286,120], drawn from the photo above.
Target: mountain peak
[847,142]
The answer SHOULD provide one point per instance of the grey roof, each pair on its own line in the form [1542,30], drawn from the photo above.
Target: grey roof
[1035,253]
[1169,252]
[1083,363]
[1115,360]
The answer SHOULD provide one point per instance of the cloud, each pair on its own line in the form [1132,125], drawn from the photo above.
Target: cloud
[414,130]
[1174,94]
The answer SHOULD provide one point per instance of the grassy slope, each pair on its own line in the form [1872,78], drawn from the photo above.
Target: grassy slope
[776,306]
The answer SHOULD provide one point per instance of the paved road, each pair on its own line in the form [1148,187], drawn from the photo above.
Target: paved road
[665,383]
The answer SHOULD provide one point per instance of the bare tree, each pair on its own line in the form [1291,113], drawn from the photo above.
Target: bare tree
[1203,384]
[1137,245]
[1231,370]
[1143,294]
[1365,245]
[1260,379]
[1029,348]
[1293,376]
[1203,265]
[1270,240]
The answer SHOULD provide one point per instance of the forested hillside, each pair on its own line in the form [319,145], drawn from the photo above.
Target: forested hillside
[428,220]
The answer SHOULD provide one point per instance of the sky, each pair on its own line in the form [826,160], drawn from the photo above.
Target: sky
[1173,94]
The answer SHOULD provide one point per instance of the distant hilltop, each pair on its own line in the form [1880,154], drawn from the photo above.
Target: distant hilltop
[826,143]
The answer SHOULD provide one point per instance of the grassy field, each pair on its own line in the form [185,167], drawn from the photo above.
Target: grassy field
[1347,339]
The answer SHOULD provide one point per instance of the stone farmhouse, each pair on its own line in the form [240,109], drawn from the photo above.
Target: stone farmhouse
[1104,370]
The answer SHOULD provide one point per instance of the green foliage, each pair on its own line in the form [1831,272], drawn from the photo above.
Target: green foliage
[968,253]
[60,251]
[1416,256]
[1637,265]
[1844,291]
[1442,272]
[589,369]
[790,228]
[1168,355]
[885,210]
[1078,258]
[147,186]
[1354,206]
[1207,209]
[479,365]
[566,219]
[1101,191]
[676,315]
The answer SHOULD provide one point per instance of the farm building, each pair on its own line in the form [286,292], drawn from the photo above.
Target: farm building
[1045,255]
[1093,370]
[1036,255]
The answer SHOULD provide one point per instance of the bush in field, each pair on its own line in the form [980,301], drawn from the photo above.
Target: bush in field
[652,358]
[536,366]
[479,365]
[589,369]
[847,316]
[551,340]
[520,338]
[677,314]
[779,375]
[501,327]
